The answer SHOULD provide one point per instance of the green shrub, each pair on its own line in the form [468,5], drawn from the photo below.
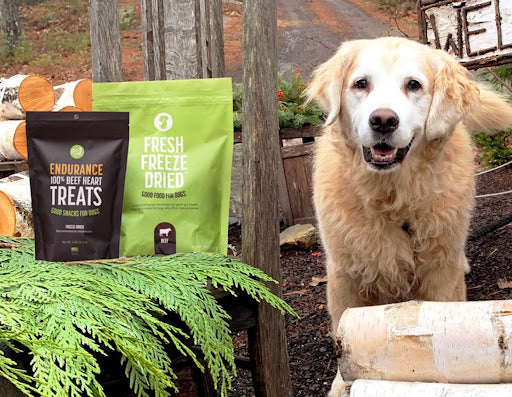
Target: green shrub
[293,111]
[496,149]
[126,16]
[23,53]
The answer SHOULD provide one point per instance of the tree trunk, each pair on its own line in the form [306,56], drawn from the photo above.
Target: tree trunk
[16,206]
[11,28]
[152,15]
[384,388]
[13,140]
[105,41]
[455,342]
[22,93]
[182,39]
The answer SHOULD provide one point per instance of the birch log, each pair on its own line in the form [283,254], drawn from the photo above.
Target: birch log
[22,93]
[16,206]
[76,93]
[384,388]
[455,342]
[13,140]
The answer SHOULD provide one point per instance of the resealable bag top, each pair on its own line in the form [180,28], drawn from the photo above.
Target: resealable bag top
[77,165]
[176,197]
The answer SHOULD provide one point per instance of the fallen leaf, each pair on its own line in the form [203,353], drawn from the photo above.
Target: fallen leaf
[503,284]
[316,281]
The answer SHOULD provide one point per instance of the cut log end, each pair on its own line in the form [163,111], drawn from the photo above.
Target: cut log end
[13,140]
[36,93]
[83,95]
[20,140]
[8,218]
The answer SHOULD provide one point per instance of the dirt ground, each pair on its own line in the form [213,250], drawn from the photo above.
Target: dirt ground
[311,353]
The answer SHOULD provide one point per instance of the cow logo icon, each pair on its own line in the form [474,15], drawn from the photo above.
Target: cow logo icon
[163,122]
[165,239]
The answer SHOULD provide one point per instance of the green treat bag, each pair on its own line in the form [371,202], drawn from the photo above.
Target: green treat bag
[176,196]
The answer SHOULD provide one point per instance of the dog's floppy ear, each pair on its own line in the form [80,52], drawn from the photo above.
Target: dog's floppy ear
[327,82]
[453,94]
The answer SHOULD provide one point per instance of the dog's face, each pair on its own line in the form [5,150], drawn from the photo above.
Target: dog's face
[389,94]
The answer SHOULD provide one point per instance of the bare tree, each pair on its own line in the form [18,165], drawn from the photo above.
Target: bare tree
[11,28]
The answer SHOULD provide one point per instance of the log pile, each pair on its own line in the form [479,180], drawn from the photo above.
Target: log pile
[18,95]
[441,344]
[22,93]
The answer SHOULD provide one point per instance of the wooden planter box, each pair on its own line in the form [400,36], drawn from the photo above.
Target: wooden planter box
[295,187]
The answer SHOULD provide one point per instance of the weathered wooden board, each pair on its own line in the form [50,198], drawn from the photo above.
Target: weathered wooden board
[477,32]
[297,164]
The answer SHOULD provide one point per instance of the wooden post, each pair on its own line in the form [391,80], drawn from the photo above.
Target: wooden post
[182,39]
[105,41]
[260,213]
[217,39]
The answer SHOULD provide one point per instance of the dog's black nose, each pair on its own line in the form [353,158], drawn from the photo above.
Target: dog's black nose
[383,121]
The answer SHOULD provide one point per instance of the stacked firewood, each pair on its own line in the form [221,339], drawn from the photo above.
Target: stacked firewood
[22,93]
[18,95]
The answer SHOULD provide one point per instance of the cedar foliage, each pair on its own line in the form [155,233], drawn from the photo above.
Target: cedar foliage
[63,313]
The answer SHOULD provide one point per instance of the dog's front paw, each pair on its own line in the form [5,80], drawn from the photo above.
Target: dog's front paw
[338,387]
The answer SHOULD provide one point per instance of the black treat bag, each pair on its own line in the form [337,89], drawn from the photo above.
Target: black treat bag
[77,166]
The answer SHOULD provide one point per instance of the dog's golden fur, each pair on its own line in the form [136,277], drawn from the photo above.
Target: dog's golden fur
[399,235]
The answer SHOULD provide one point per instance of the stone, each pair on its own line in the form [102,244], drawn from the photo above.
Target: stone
[300,235]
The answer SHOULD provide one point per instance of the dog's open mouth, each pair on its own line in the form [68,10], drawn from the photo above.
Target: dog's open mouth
[382,156]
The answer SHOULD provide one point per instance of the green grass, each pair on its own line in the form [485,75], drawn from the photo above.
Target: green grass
[58,40]
[24,52]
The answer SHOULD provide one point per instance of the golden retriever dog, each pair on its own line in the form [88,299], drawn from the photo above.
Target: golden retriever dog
[393,180]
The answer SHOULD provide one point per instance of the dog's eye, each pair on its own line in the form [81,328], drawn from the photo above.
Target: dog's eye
[361,84]
[413,85]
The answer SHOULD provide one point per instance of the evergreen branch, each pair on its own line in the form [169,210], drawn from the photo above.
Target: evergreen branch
[66,315]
